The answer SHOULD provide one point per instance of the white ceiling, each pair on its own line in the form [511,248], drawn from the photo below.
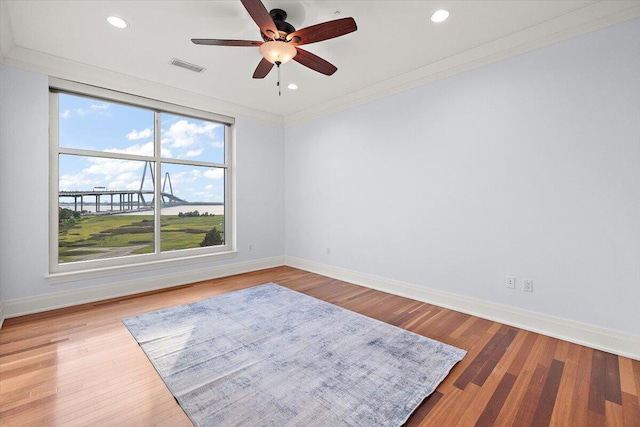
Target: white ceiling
[395,47]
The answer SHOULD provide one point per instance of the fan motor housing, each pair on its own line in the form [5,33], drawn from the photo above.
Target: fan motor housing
[279,17]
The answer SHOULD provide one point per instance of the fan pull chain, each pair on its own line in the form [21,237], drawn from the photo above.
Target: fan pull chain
[279,88]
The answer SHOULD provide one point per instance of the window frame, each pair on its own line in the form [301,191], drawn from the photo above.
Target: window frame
[95,268]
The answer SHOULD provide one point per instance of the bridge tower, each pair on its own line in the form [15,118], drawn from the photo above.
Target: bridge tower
[166,197]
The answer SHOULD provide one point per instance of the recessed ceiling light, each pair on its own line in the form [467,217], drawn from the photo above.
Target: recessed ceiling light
[117,22]
[292,86]
[439,15]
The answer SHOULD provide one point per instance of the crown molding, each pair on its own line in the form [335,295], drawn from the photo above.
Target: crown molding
[591,18]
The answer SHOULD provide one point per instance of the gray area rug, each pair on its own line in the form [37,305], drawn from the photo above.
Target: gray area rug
[270,356]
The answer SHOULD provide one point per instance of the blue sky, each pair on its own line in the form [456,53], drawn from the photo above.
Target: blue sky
[97,125]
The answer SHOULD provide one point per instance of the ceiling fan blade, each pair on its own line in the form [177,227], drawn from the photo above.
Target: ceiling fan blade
[261,17]
[325,31]
[216,42]
[314,62]
[262,69]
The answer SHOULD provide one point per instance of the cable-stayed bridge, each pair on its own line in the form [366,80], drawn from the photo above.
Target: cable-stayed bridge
[124,200]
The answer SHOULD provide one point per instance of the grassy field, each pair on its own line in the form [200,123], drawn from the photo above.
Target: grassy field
[104,236]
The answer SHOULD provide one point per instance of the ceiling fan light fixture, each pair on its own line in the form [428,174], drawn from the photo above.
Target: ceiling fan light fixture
[440,15]
[277,51]
[117,22]
[292,86]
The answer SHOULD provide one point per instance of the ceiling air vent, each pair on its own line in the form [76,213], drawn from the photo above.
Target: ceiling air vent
[187,66]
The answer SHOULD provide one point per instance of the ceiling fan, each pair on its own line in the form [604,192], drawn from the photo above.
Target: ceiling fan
[281,40]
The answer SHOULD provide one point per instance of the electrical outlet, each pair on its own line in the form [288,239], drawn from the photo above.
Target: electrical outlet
[327,251]
[250,248]
[527,285]
[511,282]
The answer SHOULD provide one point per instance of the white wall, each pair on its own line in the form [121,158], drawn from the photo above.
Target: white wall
[24,211]
[527,167]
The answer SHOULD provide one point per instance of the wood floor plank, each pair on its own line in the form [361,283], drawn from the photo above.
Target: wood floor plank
[523,354]
[425,407]
[529,404]
[597,389]
[627,381]
[614,416]
[636,374]
[612,372]
[562,413]
[492,409]
[451,407]
[525,396]
[579,409]
[486,398]
[495,357]
[562,351]
[535,349]
[630,410]
[546,403]
[80,366]
[478,362]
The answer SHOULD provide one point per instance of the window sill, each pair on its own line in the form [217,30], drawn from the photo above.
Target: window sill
[72,276]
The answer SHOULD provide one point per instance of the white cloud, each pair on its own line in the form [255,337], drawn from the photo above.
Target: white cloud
[145,149]
[214,173]
[183,134]
[136,149]
[100,109]
[127,181]
[194,153]
[112,168]
[79,181]
[183,177]
[134,134]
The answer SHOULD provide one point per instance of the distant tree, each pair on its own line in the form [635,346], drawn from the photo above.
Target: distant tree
[64,213]
[67,215]
[67,218]
[212,238]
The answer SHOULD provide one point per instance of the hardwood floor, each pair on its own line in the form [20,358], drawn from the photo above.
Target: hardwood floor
[80,366]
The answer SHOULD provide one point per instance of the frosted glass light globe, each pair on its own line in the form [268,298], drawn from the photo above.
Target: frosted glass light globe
[277,51]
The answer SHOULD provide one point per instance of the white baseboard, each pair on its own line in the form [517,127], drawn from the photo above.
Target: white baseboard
[37,304]
[592,336]
[576,332]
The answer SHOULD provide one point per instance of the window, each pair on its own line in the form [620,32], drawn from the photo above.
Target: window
[135,180]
